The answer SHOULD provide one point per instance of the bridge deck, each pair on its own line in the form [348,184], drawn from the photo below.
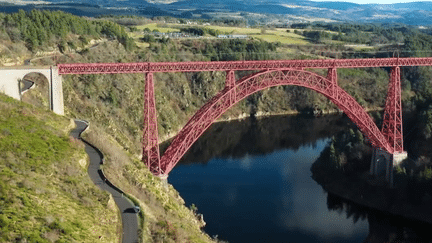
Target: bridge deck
[143,67]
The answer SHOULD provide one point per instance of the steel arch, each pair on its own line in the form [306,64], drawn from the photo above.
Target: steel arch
[246,86]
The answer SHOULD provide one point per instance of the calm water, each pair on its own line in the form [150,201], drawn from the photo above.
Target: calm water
[252,181]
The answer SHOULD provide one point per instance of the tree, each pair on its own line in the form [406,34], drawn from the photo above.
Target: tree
[334,161]
[314,36]
[63,46]
[194,208]
[359,137]
[149,38]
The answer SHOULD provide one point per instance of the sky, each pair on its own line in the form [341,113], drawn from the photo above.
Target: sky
[373,1]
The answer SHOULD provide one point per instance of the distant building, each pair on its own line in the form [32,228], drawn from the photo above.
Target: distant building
[238,36]
[232,36]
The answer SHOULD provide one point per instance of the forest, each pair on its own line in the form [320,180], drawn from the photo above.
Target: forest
[39,29]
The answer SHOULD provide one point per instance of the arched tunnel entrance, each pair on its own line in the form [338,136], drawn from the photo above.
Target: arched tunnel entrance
[34,89]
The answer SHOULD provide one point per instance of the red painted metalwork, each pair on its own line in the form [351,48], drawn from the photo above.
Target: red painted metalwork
[229,83]
[259,81]
[277,72]
[332,76]
[151,156]
[101,68]
[392,122]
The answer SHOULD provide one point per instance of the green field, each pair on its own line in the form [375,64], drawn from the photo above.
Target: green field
[235,30]
[282,39]
[154,26]
[281,35]
[273,35]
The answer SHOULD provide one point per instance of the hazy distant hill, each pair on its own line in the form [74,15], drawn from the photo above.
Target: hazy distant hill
[416,13]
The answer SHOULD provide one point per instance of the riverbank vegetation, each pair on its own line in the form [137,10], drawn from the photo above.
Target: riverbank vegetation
[346,155]
[343,169]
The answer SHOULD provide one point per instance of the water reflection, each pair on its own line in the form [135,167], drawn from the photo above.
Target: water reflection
[252,182]
[237,139]
[383,227]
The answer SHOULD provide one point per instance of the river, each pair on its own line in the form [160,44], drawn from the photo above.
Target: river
[251,180]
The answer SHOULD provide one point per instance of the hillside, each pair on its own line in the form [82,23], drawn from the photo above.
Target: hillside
[34,146]
[253,12]
[165,216]
[44,184]
[114,103]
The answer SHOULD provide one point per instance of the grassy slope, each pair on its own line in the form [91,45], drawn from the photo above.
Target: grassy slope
[46,194]
[166,219]
[113,104]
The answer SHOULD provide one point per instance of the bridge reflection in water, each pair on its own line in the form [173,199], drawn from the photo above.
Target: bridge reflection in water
[262,135]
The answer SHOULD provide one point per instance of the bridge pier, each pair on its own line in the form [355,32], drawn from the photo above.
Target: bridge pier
[384,162]
[164,180]
[56,91]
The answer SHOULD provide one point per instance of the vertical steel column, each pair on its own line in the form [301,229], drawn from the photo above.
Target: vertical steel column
[392,120]
[151,155]
[230,83]
[332,76]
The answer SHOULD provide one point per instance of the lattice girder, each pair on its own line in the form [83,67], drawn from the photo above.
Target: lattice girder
[144,67]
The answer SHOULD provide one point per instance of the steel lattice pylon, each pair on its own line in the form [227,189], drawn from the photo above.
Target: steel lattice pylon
[392,120]
[151,155]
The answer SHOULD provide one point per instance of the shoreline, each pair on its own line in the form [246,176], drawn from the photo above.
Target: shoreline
[260,115]
[366,191]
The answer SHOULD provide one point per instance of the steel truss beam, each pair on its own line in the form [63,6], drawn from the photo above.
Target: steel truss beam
[143,67]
